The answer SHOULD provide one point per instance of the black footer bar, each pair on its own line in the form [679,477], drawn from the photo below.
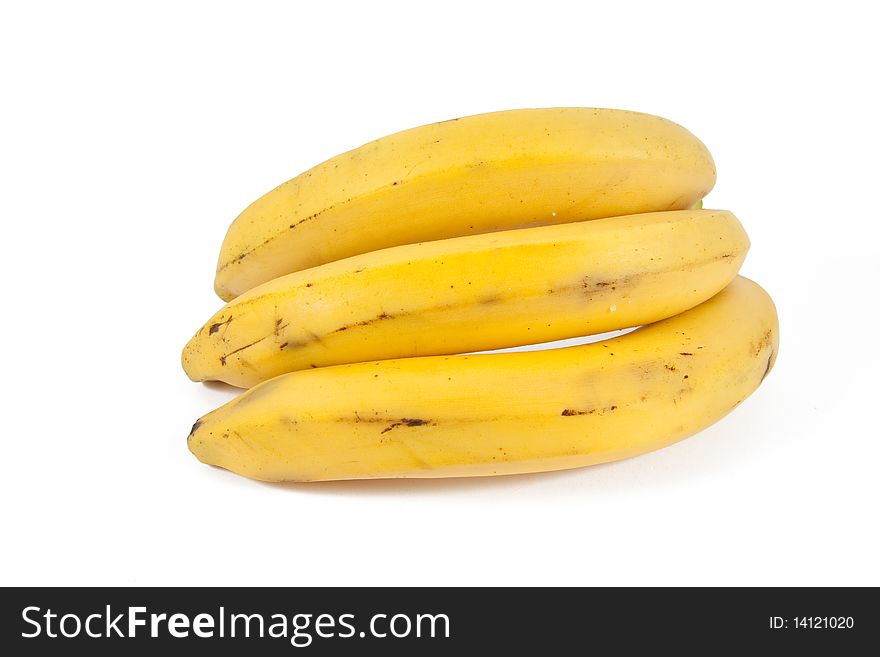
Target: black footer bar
[427,621]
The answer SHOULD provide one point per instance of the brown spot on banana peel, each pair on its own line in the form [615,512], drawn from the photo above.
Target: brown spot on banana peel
[305,219]
[247,346]
[571,412]
[592,285]
[216,326]
[405,422]
[769,363]
[376,418]
[764,342]
[293,344]
[378,318]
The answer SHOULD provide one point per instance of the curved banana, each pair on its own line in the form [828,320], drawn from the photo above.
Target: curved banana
[472,293]
[471,175]
[501,413]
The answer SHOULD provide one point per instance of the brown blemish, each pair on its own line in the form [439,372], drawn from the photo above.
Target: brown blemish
[195,428]
[593,286]
[406,422]
[234,434]
[764,342]
[685,353]
[767,369]
[365,322]
[216,326]
[602,285]
[670,367]
[571,412]
[235,351]
[296,344]
[301,221]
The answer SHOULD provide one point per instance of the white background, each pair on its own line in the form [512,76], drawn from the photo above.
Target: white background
[132,134]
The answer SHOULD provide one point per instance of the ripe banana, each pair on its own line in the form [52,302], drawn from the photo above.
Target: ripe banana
[501,413]
[471,175]
[472,293]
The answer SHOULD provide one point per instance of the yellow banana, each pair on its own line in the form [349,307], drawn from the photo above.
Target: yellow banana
[471,175]
[501,413]
[472,293]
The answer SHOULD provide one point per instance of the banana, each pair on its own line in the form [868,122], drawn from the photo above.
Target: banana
[501,413]
[472,293]
[471,175]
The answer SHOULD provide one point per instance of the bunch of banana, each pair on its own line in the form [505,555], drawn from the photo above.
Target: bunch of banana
[356,290]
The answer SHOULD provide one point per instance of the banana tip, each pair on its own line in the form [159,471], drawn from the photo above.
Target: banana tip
[189,360]
[221,291]
[195,427]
